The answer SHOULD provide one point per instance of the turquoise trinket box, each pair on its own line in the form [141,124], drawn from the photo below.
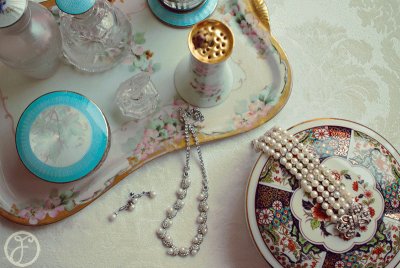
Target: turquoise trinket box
[62,137]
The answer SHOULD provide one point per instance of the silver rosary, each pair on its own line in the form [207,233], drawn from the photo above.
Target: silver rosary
[189,117]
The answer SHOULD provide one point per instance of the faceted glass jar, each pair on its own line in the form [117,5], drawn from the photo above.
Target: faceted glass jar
[182,5]
[32,45]
[98,39]
[137,97]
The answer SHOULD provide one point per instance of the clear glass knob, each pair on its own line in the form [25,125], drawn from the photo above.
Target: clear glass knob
[137,97]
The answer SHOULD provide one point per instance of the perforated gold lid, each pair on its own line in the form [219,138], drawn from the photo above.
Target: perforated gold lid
[211,41]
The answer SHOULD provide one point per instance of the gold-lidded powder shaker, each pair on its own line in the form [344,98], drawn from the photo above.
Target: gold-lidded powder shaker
[211,41]
[205,79]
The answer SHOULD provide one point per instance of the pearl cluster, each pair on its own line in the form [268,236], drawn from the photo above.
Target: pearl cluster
[314,178]
[188,117]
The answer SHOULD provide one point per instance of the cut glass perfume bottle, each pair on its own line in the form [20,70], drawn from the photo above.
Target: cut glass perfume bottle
[96,35]
[137,97]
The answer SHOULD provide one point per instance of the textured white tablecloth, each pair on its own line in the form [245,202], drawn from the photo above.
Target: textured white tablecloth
[345,57]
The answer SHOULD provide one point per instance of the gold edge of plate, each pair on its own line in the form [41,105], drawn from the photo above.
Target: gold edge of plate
[264,19]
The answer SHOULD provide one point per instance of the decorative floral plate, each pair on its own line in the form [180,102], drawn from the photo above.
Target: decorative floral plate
[291,231]
[261,88]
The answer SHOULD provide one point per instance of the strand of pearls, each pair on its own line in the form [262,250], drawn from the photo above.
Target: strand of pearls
[315,179]
[189,117]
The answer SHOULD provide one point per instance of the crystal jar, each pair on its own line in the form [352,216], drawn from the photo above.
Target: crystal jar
[96,35]
[30,40]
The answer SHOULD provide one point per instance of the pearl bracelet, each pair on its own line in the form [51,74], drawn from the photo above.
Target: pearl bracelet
[316,180]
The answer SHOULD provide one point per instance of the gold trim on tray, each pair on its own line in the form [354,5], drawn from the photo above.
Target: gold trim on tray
[260,10]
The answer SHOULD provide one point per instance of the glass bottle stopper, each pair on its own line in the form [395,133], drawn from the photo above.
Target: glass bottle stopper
[137,97]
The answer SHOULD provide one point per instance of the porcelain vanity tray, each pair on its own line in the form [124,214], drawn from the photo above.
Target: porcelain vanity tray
[262,87]
[290,230]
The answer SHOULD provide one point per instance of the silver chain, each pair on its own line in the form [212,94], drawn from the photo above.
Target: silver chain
[190,118]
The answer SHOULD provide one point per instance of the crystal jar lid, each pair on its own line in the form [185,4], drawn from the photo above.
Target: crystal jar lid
[11,11]
[62,136]
[75,7]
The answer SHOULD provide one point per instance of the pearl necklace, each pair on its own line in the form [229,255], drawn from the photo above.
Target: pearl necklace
[316,180]
[189,117]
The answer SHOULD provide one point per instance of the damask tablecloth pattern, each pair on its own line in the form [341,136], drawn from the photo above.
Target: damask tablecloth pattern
[346,63]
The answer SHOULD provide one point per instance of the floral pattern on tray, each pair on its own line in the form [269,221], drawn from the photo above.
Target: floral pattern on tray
[51,207]
[164,128]
[235,11]
[248,113]
[141,58]
[280,229]
[139,142]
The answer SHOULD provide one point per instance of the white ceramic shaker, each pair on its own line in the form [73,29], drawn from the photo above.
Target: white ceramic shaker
[204,78]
